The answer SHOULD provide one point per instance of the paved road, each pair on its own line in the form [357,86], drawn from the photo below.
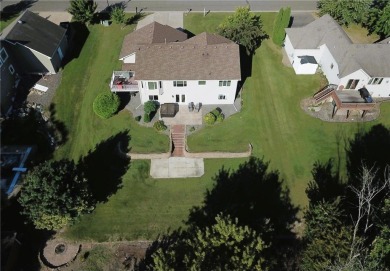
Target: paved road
[180,5]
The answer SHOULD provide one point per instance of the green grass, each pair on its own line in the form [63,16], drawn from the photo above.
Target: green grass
[83,79]
[7,22]
[271,120]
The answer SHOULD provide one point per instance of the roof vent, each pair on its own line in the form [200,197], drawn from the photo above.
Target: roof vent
[20,22]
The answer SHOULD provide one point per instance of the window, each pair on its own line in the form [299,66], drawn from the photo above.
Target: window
[179,83]
[11,69]
[375,81]
[183,98]
[224,83]
[153,97]
[221,97]
[152,85]
[3,55]
[352,83]
[142,84]
[201,83]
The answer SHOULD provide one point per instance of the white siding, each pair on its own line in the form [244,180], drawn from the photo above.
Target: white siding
[289,49]
[329,65]
[381,90]
[129,58]
[205,94]
[360,75]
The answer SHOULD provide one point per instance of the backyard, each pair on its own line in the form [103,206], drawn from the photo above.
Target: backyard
[271,120]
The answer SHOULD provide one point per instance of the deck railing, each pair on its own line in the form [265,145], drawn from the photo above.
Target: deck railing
[124,88]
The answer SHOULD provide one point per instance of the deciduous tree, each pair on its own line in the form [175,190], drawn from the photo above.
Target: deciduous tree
[245,28]
[53,194]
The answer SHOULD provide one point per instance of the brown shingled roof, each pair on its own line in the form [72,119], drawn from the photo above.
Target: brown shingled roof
[149,34]
[208,39]
[184,61]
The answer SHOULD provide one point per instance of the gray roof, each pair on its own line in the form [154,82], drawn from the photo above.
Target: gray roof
[372,58]
[203,57]
[35,32]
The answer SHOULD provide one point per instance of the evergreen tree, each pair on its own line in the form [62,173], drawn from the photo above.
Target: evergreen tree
[82,10]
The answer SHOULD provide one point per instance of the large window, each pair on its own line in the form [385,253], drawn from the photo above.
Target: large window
[152,85]
[224,83]
[352,83]
[201,83]
[153,97]
[375,81]
[179,83]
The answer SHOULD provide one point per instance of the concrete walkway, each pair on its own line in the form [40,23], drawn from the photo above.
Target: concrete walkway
[171,18]
[177,167]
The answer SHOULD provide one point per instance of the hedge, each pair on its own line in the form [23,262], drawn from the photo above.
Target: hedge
[209,118]
[106,104]
[281,22]
[146,118]
[160,125]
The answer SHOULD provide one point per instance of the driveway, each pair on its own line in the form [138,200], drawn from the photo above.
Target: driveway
[300,19]
[173,19]
[56,16]
[177,167]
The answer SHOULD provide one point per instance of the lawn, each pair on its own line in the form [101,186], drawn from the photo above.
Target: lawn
[83,79]
[271,120]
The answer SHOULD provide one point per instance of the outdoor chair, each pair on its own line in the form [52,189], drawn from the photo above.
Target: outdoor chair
[191,106]
[198,106]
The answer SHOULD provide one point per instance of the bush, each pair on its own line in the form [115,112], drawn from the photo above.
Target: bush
[220,117]
[146,118]
[209,118]
[192,129]
[137,118]
[281,22]
[106,105]
[216,112]
[159,125]
[149,107]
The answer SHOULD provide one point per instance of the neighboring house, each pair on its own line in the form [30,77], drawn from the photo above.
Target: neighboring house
[324,44]
[29,45]
[163,65]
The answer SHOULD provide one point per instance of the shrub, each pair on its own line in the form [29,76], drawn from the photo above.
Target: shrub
[281,22]
[216,112]
[106,105]
[149,107]
[220,117]
[137,118]
[146,118]
[192,129]
[209,118]
[159,125]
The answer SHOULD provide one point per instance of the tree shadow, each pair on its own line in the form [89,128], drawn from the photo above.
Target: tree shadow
[13,10]
[326,184]
[124,98]
[254,195]
[78,36]
[246,64]
[370,149]
[58,127]
[135,18]
[105,165]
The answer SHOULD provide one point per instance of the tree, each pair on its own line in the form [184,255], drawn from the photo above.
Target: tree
[344,12]
[106,105]
[378,18]
[53,194]
[245,28]
[281,22]
[149,107]
[118,15]
[82,10]
[222,246]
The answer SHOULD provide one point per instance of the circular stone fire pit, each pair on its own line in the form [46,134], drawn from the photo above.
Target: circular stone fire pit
[59,252]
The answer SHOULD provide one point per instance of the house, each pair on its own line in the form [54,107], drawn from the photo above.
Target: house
[29,45]
[324,44]
[161,64]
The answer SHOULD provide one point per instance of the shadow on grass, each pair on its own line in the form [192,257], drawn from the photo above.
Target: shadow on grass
[11,11]
[124,98]
[58,127]
[78,36]
[135,18]
[105,165]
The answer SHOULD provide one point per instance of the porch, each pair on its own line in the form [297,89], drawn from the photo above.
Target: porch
[123,81]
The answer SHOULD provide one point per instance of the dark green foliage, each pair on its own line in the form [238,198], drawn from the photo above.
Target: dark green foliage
[216,112]
[137,118]
[327,238]
[53,194]
[222,246]
[146,118]
[106,105]
[245,28]
[281,22]
[82,10]
[159,125]
[149,107]
[209,118]
[192,129]
[117,15]
[378,18]
[220,117]
[345,12]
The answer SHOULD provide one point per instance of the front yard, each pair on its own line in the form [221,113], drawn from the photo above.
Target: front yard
[271,120]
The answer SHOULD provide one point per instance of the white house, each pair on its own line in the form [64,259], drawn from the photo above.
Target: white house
[163,65]
[324,44]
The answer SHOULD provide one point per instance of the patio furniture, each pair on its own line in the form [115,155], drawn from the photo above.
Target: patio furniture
[198,106]
[191,106]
